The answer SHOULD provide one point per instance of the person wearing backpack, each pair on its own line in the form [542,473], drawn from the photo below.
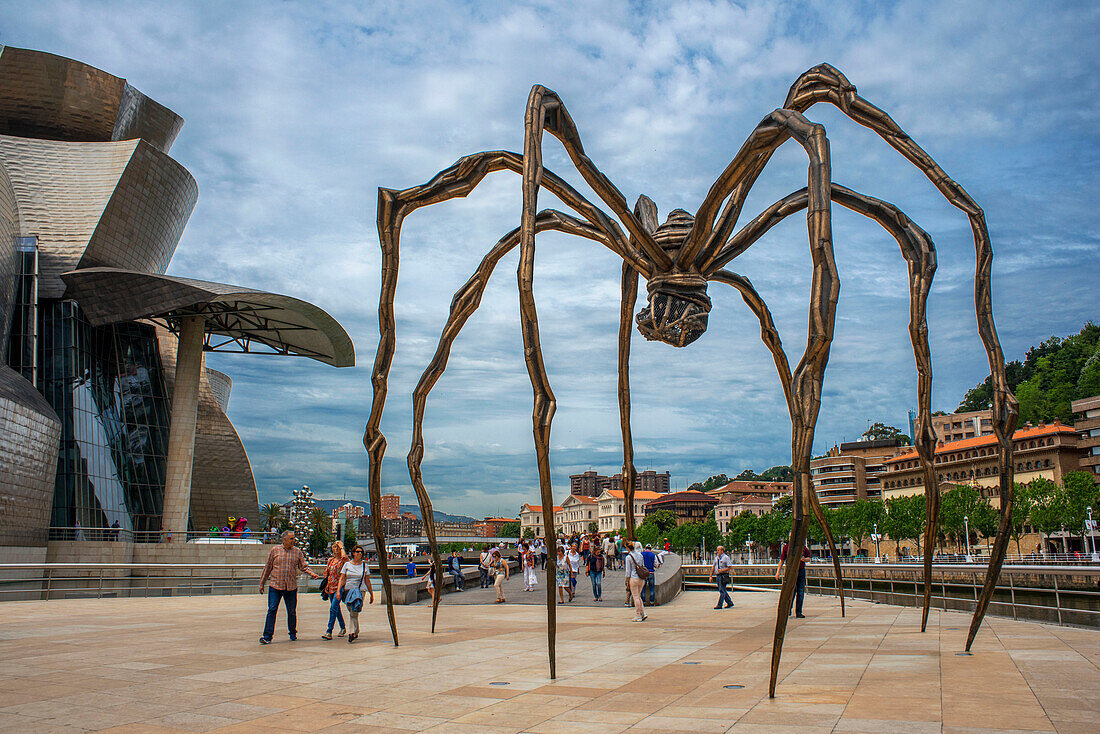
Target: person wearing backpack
[595,572]
[483,566]
[636,574]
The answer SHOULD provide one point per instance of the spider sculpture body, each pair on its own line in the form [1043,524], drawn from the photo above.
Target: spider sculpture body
[679,259]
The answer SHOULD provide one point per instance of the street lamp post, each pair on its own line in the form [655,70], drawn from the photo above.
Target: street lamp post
[966,521]
[1090,527]
[878,558]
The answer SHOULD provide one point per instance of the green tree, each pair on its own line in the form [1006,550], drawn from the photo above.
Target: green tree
[1048,511]
[509,530]
[593,527]
[714,482]
[740,529]
[1022,502]
[350,537]
[1050,376]
[1079,492]
[904,519]
[881,431]
[784,505]
[271,516]
[320,537]
[962,504]
[859,519]
[779,473]
[528,533]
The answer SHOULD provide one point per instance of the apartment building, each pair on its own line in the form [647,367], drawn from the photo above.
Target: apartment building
[1086,413]
[755,487]
[853,471]
[591,484]
[961,426]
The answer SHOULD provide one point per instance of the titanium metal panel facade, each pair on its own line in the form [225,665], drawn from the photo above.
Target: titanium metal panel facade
[55,98]
[29,433]
[97,204]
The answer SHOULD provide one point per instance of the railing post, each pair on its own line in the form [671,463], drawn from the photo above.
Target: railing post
[1012,591]
[99,594]
[147,574]
[1057,598]
[191,582]
[49,581]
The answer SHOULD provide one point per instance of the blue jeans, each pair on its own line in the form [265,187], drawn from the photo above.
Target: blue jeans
[800,591]
[335,614]
[460,579]
[650,588]
[597,584]
[723,595]
[290,600]
[484,577]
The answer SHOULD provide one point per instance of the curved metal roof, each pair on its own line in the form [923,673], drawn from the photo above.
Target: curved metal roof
[246,318]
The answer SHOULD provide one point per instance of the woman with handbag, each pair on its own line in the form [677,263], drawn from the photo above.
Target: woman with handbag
[499,568]
[636,574]
[330,586]
[354,577]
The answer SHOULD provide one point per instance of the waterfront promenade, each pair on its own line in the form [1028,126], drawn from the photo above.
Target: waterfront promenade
[193,664]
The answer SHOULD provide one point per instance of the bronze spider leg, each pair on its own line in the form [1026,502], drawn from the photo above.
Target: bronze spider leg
[393,206]
[646,213]
[824,83]
[770,336]
[807,377]
[920,255]
[465,302]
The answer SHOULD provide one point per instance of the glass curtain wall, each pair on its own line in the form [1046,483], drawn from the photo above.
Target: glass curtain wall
[107,385]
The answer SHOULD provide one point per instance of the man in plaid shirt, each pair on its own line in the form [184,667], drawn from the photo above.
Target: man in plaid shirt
[282,567]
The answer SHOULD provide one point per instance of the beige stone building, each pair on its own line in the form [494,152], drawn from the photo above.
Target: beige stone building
[1049,451]
[733,505]
[1087,422]
[576,512]
[961,426]
[755,487]
[612,509]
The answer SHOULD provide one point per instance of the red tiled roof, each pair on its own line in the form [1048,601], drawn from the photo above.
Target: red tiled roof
[537,508]
[968,443]
[750,485]
[639,494]
[503,519]
[685,496]
[752,499]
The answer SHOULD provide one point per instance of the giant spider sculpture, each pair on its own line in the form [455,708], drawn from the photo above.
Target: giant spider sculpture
[679,259]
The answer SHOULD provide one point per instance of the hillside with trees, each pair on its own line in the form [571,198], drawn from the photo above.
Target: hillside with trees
[1051,375]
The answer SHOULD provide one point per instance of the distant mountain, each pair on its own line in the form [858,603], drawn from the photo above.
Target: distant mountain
[330,505]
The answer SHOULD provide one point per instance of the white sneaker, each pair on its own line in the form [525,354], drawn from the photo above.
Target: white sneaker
[637,619]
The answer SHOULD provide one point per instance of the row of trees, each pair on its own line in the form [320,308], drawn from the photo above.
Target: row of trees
[1041,505]
[321,536]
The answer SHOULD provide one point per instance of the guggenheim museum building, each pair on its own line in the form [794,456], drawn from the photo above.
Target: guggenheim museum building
[111,426]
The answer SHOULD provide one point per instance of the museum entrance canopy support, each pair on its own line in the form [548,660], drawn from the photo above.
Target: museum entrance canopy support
[206,317]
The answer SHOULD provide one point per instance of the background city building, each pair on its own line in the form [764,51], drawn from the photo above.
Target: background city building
[611,509]
[961,426]
[530,518]
[576,513]
[689,506]
[1048,451]
[852,471]
[759,488]
[591,484]
[391,506]
[732,505]
[1087,422]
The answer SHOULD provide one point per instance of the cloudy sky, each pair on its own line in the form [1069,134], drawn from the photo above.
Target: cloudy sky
[297,112]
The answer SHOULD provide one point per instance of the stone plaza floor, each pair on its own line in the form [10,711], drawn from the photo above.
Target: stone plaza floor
[180,664]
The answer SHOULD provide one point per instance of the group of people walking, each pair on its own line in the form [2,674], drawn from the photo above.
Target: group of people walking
[346,582]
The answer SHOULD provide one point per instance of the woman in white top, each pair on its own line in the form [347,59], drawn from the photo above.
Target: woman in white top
[632,561]
[354,577]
